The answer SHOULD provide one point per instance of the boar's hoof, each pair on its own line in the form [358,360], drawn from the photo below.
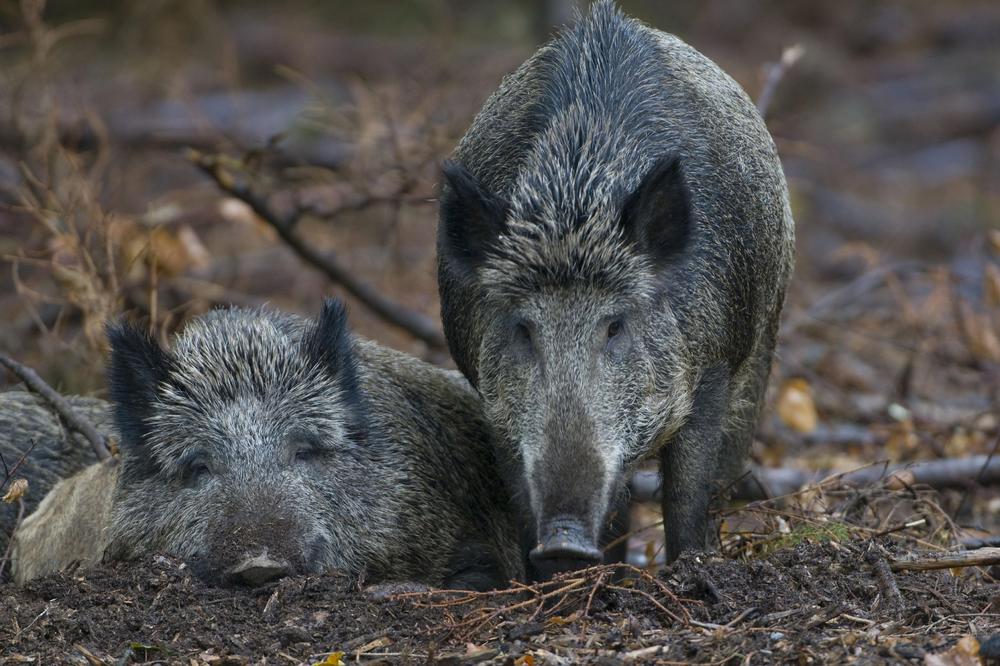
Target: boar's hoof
[257,571]
[564,547]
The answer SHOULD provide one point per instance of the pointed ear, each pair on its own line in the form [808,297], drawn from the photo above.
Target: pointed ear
[138,366]
[471,217]
[657,215]
[329,341]
[329,344]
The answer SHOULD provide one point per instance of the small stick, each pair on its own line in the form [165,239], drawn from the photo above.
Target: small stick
[886,581]
[10,541]
[673,616]
[900,527]
[590,601]
[972,543]
[774,73]
[58,403]
[8,473]
[930,561]
[829,614]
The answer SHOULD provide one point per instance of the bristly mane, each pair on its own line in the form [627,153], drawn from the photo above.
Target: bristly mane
[254,359]
[599,122]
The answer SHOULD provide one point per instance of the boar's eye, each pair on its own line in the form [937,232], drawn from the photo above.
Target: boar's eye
[306,454]
[615,342]
[305,447]
[196,472]
[522,337]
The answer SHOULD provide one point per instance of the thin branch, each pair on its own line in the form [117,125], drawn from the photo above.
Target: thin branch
[774,72]
[951,560]
[9,472]
[10,541]
[59,404]
[779,481]
[892,600]
[394,313]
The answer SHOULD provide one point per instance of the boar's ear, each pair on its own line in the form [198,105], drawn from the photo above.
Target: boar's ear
[138,366]
[329,344]
[657,215]
[471,217]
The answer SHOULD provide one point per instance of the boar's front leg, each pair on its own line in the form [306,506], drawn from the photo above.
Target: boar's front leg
[689,465]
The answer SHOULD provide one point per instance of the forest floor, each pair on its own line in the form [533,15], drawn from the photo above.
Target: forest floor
[815,602]
[889,349]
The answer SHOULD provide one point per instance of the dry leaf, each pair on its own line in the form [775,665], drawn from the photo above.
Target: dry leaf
[18,487]
[959,444]
[171,252]
[994,238]
[980,334]
[332,659]
[525,660]
[902,442]
[796,408]
[991,284]
[964,653]
[196,251]
[900,480]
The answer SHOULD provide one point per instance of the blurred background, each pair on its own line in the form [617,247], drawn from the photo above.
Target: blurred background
[165,157]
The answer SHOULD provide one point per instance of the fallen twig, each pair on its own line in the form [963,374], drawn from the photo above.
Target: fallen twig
[577,589]
[10,541]
[948,560]
[774,72]
[779,481]
[891,597]
[59,404]
[394,313]
[9,472]
[973,543]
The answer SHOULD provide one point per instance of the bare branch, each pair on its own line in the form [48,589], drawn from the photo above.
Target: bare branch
[59,404]
[774,72]
[9,472]
[10,541]
[953,560]
[772,482]
[891,598]
[394,313]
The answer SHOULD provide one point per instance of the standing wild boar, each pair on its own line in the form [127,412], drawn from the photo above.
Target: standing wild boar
[262,445]
[614,244]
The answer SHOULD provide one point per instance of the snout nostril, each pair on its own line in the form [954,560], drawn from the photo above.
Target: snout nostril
[257,571]
[564,540]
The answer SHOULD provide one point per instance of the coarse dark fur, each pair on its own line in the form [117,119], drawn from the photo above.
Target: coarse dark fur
[614,245]
[58,452]
[260,433]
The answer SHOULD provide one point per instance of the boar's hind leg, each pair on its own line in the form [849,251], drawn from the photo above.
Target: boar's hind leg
[689,465]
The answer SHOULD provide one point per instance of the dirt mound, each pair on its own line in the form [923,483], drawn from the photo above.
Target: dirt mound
[816,602]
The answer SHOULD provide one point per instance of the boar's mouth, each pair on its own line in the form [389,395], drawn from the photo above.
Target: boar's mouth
[564,546]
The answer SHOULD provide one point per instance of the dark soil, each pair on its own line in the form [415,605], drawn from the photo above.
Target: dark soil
[816,603]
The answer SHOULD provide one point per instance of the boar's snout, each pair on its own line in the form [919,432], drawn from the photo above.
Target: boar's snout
[254,549]
[257,571]
[564,546]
